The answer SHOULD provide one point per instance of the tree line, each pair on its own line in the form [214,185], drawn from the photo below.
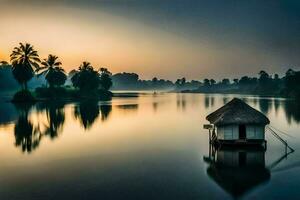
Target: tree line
[26,64]
[264,84]
[132,81]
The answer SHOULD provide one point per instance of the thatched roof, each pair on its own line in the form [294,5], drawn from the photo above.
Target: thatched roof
[237,112]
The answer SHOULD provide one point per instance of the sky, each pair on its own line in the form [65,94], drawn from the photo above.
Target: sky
[168,39]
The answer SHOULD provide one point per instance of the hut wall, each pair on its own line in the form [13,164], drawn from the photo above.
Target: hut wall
[255,132]
[256,158]
[232,158]
[230,132]
[227,158]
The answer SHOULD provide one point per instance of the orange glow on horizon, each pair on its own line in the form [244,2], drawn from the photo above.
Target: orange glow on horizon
[122,44]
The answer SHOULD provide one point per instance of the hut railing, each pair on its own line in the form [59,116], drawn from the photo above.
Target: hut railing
[280,139]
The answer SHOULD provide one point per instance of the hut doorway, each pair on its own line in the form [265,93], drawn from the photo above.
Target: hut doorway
[242,131]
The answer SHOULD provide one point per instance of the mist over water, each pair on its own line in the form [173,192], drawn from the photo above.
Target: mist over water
[147,147]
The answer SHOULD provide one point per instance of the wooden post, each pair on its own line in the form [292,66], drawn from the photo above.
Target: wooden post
[286,146]
[210,156]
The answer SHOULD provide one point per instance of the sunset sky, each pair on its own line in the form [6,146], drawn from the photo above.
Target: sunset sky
[163,38]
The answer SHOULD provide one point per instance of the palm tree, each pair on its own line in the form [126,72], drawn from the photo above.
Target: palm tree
[86,79]
[86,66]
[53,72]
[24,59]
[105,78]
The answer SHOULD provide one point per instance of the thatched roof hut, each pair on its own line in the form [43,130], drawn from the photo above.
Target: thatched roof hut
[237,112]
[237,122]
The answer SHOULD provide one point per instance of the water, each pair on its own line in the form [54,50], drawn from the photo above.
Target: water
[148,147]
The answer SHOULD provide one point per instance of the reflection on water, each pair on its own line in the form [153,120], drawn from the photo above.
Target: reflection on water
[264,105]
[145,147]
[181,102]
[237,170]
[55,117]
[27,136]
[210,100]
[87,113]
[129,107]
[292,111]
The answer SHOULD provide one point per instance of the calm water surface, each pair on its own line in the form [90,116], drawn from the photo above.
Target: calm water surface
[148,147]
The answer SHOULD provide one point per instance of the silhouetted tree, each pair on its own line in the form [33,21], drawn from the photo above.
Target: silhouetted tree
[235,81]
[183,81]
[105,79]
[53,72]
[24,60]
[292,80]
[225,82]
[264,77]
[206,82]
[154,82]
[180,83]
[86,78]
[7,80]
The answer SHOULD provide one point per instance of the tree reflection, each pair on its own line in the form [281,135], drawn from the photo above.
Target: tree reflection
[27,136]
[128,107]
[292,110]
[105,111]
[87,112]
[181,102]
[55,118]
[206,101]
[264,105]
[209,101]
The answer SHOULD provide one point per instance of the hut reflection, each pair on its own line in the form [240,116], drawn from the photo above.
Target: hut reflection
[237,170]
